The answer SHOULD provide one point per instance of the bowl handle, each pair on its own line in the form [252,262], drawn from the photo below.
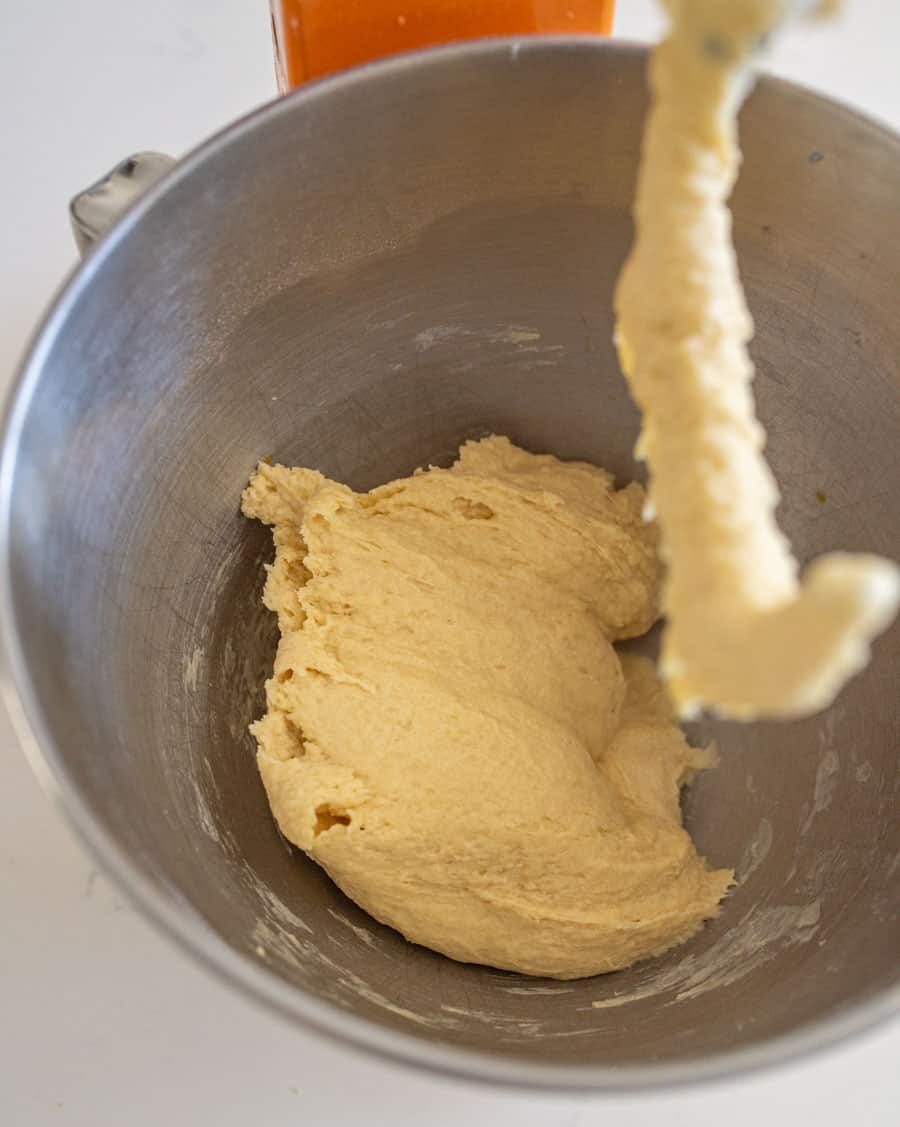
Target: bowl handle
[97,208]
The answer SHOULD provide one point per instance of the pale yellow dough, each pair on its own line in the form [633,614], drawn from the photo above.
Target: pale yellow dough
[744,636]
[449,730]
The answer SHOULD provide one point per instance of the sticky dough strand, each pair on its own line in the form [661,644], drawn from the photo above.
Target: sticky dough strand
[744,637]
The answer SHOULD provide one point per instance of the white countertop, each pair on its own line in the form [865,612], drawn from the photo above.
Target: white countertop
[102,1021]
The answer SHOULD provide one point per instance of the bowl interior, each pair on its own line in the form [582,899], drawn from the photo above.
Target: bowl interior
[362,308]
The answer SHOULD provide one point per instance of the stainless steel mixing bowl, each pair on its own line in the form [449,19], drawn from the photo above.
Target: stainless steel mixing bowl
[357,278]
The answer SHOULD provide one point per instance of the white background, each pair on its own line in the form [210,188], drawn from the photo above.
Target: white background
[101,1021]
